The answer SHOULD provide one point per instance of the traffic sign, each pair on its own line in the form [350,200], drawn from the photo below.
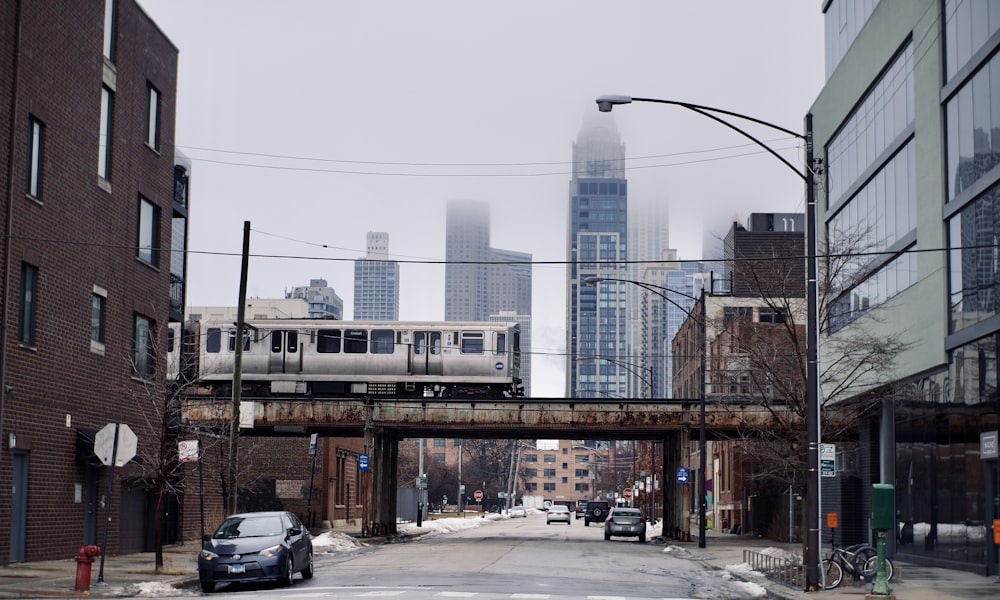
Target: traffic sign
[187,451]
[627,493]
[478,494]
[827,460]
[682,475]
[104,444]
[362,462]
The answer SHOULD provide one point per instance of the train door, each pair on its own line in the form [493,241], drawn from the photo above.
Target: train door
[284,356]
[427,353]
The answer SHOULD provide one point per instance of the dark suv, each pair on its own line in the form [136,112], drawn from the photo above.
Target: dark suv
[597,512]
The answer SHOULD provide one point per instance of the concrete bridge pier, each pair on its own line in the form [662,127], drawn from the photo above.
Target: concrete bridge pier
[382,446]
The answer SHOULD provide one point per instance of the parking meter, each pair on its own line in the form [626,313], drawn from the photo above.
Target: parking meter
[883,519]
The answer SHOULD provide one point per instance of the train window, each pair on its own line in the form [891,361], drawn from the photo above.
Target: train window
[232,340]
[292,344]
[383,341]
[472,342]
[328,341]
[213,340]
[501,343]
[436,342]
[356,341]
[276,338]
[419,342]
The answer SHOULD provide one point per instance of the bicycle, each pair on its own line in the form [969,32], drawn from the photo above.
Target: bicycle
[859,560]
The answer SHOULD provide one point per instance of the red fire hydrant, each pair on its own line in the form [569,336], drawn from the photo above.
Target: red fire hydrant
[84,559]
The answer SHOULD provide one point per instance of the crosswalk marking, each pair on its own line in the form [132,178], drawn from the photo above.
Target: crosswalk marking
[605,597]
[456,594]
[383,593]
[530,596]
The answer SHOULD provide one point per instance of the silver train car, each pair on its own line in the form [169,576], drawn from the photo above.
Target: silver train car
[321,357]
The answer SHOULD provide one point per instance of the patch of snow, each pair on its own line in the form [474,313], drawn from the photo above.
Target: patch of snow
[753,589]
[448,525]
[335,541]
[157,589]
[741,569]
[782,554]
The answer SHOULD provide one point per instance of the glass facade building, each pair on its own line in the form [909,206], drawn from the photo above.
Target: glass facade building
[376,281]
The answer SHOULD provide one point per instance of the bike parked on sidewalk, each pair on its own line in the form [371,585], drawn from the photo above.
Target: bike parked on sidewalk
[858,560]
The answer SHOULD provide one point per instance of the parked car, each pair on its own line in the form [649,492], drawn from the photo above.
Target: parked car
[581,508]
[597,511]
[558,513]
[625,522]
[256,546]
[517,511]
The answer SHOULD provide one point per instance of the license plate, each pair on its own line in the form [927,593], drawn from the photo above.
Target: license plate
[237,569]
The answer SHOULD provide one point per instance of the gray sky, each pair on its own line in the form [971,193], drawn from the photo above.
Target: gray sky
[318,121]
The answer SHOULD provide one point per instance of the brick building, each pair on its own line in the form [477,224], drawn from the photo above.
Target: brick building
[93,198]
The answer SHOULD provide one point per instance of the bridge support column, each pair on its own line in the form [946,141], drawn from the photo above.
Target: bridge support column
[675,495]
[380,501]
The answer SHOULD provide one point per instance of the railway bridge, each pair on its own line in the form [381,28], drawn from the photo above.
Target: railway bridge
[383,422]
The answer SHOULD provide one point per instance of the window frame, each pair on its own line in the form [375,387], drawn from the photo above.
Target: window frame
[104,135]
[143,347]
[98,316]
[152,125]
[27,305]
[36,136]
[148,232]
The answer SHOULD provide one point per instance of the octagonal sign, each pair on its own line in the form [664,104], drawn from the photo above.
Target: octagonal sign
[104,444]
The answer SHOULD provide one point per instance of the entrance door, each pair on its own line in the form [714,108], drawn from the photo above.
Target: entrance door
[284,355]
[90,482]
[19,507]
[427,353]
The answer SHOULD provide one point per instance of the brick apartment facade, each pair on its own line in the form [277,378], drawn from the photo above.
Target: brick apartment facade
[87,167]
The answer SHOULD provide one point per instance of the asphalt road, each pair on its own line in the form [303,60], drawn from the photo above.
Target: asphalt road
[510,558]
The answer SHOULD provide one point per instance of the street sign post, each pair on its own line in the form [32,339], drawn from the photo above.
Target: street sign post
[827,460]
[362,462]
[627,493]
[108,451]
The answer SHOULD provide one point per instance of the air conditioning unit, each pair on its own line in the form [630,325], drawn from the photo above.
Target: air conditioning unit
[847,462]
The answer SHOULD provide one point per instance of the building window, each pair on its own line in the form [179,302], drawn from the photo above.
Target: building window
[98,303]
[149,216]
[34,158]
[439,442]
[142,347]
[104,144]
[582,487]
[583,472]
[548,473]
[973,123]
[152,117]
[438,456]
[532,458]
[549,458]
[28,305]
[109,29]
[549,487]
[531,472]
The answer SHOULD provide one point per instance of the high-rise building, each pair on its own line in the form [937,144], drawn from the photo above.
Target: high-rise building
[323,300]
[598,364]
[94,221]
[376,281]
[482,282]
[908,132]
[648,242]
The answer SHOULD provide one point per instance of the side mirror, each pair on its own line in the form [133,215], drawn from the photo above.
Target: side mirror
[295,531]
[206,537]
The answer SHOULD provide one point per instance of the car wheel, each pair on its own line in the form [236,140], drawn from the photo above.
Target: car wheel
[307,572]
[607,536]
[586,522]
[208,587]
[286,577]
[642,538]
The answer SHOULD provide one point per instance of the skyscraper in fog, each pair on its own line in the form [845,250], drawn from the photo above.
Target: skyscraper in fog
[376,281]
[597,363]
[482,283]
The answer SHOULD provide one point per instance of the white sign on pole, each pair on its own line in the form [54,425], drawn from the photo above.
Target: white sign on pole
[104,444]
[828,460]
[187,450]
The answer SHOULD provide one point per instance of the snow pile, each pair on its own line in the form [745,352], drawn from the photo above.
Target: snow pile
[781,554]
[754,590]
[329,542]
[156,589]
[448,525]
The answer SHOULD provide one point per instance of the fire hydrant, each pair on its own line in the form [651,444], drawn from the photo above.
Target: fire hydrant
[84,559]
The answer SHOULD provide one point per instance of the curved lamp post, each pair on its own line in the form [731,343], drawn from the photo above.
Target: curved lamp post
[812,556]
[702,434]
[630,367]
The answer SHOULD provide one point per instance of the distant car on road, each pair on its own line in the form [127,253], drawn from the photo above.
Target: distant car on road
[597,511]
[517,511]
[581,508]
[625,522]
[256,546]
[558,513]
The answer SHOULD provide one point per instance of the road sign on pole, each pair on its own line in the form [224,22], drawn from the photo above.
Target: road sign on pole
[627,493]
[478,494]
[828,460]
[106,449]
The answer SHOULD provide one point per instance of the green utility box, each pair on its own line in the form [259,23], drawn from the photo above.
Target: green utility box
[883,506]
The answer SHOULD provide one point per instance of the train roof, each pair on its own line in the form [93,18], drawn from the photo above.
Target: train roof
[365,323]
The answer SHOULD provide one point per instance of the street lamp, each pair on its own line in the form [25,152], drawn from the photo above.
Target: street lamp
[702,434]
[608,102]
[630,367]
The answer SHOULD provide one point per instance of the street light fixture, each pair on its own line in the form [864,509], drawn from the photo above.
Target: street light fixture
[606,104]
[702,434]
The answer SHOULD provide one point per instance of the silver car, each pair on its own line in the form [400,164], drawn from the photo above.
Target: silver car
[517,511]
[625,522]
[558,513]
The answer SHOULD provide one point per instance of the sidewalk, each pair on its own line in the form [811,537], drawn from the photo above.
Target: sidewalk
[133,574]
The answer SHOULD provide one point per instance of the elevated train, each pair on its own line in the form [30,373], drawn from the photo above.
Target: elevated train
[322,357]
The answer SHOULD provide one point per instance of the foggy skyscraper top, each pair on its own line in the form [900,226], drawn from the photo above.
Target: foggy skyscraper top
[598,150]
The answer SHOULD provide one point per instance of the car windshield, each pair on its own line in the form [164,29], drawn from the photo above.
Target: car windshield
[244,527]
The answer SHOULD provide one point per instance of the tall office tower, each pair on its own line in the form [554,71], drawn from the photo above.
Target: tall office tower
[524,320]
[481,282]
[376,282]
[323,300]
[648,241]
[597,361]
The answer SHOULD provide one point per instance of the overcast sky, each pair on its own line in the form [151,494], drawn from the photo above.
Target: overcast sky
[321,120]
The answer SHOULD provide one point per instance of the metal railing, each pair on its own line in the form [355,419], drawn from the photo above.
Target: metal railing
[781,570]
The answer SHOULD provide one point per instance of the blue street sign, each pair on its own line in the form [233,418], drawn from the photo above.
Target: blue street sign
[362,462]
[682,475]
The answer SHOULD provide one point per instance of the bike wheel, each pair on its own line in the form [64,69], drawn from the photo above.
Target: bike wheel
[833,574]
[870,569]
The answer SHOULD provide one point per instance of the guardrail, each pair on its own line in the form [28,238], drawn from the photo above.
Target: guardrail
[780,570]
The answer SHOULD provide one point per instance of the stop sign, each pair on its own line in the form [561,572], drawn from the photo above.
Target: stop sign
[478,494]
[105,446]
[627,493]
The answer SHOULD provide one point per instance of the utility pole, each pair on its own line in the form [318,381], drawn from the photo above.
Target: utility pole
[234,424]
